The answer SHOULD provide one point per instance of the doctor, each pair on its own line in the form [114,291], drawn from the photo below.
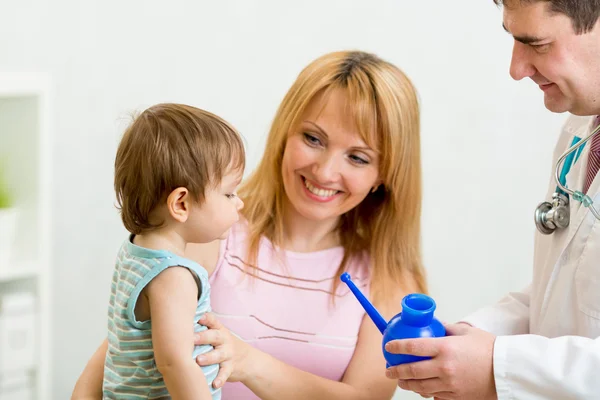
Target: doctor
[542,342]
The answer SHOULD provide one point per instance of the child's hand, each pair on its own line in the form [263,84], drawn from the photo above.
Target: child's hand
[230,352]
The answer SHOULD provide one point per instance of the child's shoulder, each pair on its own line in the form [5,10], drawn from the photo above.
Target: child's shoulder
[140,261]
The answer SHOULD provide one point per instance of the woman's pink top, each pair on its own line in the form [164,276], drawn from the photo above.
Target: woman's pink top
[286,310]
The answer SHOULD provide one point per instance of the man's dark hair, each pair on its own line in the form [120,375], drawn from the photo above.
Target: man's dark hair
[583,13]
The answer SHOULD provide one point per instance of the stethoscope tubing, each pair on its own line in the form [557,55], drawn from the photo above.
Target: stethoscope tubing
[560,176]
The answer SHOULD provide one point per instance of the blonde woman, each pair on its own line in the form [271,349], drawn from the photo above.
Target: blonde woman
[338,189]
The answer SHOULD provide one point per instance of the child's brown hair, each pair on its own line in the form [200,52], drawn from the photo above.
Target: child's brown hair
[169,146]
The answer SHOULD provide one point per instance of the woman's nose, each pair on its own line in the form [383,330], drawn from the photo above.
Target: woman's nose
[328,168]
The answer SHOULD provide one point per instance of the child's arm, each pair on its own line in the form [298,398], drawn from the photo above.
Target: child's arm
[89,384]
[173,296]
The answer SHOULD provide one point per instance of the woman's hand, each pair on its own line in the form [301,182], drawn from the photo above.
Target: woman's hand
[89,384]
[230,352]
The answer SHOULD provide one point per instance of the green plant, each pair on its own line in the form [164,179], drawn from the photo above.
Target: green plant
[5,195]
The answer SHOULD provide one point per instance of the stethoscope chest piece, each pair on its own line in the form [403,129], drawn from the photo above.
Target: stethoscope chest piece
[555,215]
[550,216]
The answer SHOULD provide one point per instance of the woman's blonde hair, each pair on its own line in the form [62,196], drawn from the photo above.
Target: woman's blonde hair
[386,224]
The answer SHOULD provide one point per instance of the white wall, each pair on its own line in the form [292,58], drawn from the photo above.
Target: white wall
[486,140]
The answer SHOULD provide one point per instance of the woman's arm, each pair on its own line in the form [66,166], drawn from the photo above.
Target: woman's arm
[270,378]
[365,377]
[89,384]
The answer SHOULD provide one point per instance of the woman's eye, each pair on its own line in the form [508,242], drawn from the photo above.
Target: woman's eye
[358,160]
[312,140]
[230,195]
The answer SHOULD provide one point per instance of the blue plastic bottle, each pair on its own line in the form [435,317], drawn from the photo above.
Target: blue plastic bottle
[415,321]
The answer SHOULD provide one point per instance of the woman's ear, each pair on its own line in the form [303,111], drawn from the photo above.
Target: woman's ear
[178,204]
[376,186]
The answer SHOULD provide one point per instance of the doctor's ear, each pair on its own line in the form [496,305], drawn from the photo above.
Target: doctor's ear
[178,204]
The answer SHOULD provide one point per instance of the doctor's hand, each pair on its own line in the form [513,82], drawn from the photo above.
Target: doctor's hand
[230,352]
[461,365]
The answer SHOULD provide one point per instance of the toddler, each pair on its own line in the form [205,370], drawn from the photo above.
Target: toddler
[176,172]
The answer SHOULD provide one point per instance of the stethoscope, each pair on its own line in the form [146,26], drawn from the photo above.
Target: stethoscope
[556,215]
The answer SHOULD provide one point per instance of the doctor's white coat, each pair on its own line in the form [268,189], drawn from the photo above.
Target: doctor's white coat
[548,344]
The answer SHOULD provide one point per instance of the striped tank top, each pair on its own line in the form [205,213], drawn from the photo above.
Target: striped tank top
[286,310]
[130,370]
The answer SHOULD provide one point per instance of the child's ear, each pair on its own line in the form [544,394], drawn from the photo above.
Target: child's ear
[178,204]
